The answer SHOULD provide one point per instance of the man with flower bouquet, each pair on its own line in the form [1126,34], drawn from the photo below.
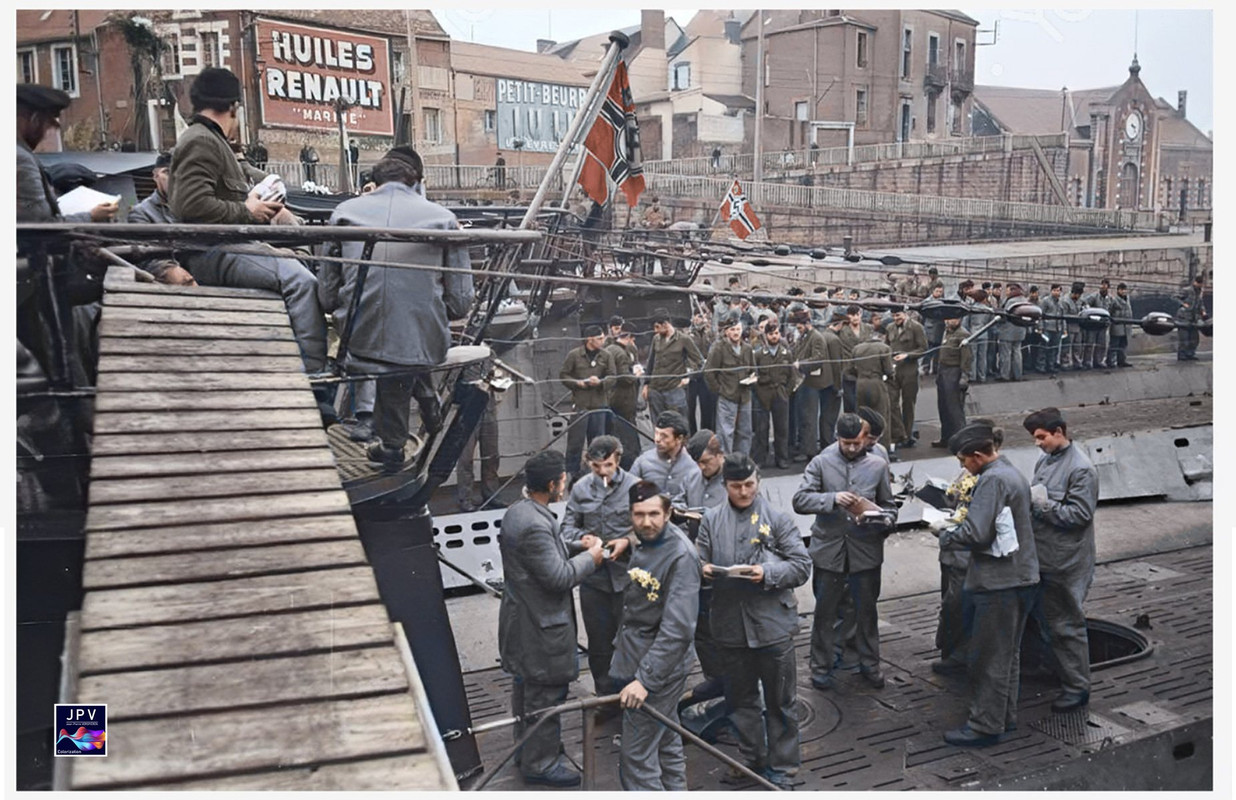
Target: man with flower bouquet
[754,555]
[653,650]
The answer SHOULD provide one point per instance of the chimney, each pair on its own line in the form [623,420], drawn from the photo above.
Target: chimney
[544,45]
[652,29]
[733,30]
[1181,97]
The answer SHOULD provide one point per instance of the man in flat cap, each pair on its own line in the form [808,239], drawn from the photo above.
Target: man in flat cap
[1001,582]
[38,111]
[1064,494]
[588,373]
[402,322]
[624,391]
[653,651]
[536,621]
[847,547]
[208,185]
[952,379]
[817,357]
[754,616]
[598,507]
[729,363]
[668,464]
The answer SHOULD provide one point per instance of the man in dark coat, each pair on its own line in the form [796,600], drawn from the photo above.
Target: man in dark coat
[873,368]
[730,362]
[38,111]
[598,506]
[207,185]
[1063,496]
[952,380]
[588,373]
[1122,307]
[402,320]
[1192,310]
[1001,581]
[624,392]
[754,615]
[818,358]
[854,332]
[907,340]
[672,357]
[774,365]
[838,486]
[653,652]
[536,621]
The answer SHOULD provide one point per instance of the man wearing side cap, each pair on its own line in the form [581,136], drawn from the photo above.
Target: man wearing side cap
[754,616]
[907,340]
[536,621]
[588,373]
[653,651]
[1064,494]
[410,335]
[38,111]
[207,185]
[731,361]
[952,379]
[1001,587]
[817,357]
[873,370]
[598,506]
[774,365]
[839,484]
[624,391]
[672,357]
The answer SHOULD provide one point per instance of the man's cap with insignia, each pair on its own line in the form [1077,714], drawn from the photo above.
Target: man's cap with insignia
[643,490]
[738,467]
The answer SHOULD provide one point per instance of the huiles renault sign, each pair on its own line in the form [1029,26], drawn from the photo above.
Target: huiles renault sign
[306,70]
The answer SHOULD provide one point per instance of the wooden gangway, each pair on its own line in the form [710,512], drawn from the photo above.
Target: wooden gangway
[230,619]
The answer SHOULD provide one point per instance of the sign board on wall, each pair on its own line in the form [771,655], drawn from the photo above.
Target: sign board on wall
[306,69]
[538,113]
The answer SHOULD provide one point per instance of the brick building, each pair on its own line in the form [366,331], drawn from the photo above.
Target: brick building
[896,75]
[501,95]
[130,72]
[1128,149]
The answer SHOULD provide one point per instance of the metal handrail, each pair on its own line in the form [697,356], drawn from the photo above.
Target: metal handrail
[585,705]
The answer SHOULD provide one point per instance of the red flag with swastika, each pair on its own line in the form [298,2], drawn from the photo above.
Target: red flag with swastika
[611,151]
[739,212]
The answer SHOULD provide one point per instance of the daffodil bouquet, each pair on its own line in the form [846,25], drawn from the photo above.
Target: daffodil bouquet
[647,581]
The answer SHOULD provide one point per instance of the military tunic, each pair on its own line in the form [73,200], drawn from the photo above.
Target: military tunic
[775,377]
[536,622]
[623,398]
[1071,352]
[755,624]
[700,398]
[1002,590]
[955,362]
[911,339]
[1117,354]
[725,367]
[821,364]
[873,365]
[845,553]
[680,478]
[849,340]
[605,512]
[670,360]
[1064,541]
[1192,310]
[654,646]
[591,418]
[1053,329]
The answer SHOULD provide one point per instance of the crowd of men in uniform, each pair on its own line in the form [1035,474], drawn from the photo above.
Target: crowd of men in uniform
[771,378]
[659,588]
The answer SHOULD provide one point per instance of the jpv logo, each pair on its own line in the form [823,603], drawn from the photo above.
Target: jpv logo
[81,730]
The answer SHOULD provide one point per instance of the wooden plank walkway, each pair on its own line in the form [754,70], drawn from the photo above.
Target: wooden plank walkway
[231,621]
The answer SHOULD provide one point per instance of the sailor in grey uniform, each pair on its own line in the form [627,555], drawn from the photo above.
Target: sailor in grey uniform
[653,653]
[1064,495]
[598,505]
[754,616]
[1002,588]
[668,464]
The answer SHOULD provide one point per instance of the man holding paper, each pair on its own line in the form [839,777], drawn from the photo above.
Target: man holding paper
[38,111]
[1001,587]
[847,488]
[754,556]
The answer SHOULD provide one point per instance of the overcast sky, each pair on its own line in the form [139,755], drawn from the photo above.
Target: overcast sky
[1039,49]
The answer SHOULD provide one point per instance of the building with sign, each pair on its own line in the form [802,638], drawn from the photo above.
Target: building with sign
[1128,149]
[507,97]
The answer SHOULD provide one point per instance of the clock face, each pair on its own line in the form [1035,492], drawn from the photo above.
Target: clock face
[1133,125]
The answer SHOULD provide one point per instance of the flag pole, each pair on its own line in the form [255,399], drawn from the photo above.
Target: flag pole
[583,121]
